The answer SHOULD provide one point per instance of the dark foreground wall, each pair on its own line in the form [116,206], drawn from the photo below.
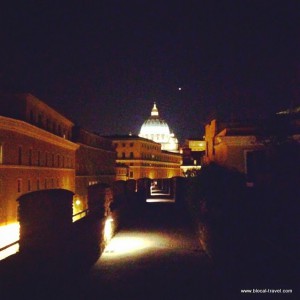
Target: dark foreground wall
[51,245]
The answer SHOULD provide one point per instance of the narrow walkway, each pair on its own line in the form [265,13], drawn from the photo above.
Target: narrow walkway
[155,256]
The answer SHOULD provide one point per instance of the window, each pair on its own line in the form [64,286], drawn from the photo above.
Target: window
[31,116]
[46,183]
[131,154]
[40,120]
[19,183]
[46,159]
[52,160]
[47,124]
[58,160]
[52,182]
[20,156]
[123,144]
[131,144]
[131,174]
[37,184]
[29,185]
[123,154]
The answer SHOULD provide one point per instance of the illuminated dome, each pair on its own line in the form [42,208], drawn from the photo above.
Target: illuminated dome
[157,130]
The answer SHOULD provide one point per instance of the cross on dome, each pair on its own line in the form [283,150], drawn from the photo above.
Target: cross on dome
[154,111]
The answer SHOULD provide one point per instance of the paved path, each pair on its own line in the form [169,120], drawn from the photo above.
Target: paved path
[155,256]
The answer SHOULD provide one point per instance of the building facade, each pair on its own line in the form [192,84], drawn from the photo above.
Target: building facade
[41,149]
[144,158]
[193,152]
[235,145]
[35,151]
[95,163]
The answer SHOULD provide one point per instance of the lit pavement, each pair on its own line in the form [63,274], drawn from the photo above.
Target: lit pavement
[155,256]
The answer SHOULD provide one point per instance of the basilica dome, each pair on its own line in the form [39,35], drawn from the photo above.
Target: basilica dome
[157,130]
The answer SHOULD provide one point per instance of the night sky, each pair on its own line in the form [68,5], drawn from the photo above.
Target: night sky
[103,63]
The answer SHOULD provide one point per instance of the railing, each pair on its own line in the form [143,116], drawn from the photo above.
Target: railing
[9,249]
[13,247]
[80,215]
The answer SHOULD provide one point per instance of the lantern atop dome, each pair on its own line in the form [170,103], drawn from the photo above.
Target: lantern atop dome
[154,112]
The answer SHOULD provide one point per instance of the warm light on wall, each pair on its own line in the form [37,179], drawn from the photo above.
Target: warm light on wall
[8,235]
[78,208]
[108,229]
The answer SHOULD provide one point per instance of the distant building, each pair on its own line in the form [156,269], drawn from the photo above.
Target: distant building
[144,158]
[193,151]
[235,145]
[122,171]
[157,130]
[256,148]
[95,163]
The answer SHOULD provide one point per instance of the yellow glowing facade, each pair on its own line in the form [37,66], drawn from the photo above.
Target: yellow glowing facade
[144,158]
[196,145]
[32,159]
[229,144]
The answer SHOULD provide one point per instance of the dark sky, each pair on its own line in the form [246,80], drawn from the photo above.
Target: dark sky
[103,63]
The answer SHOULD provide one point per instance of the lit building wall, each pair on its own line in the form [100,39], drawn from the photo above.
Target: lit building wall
[122,172]
[145,158]
[31,159]
[95,163]
[229,147]
[30,109]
